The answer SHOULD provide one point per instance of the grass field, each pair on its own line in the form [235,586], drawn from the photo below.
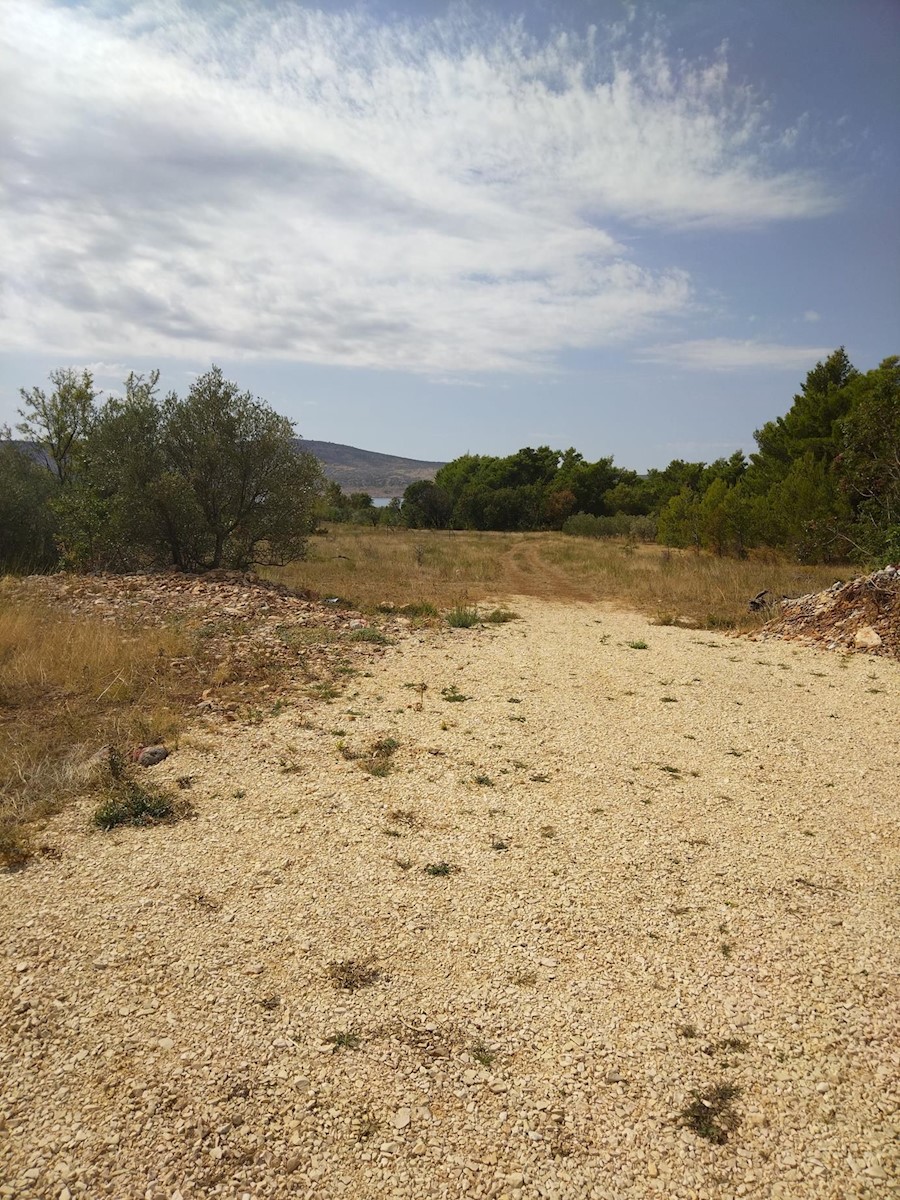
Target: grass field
[378,566]
[70,685]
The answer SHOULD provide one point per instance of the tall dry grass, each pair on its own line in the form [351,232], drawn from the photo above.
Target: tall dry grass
[69,685]
[376,566]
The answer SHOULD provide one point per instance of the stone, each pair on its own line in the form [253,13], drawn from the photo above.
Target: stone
[866,637]
[401,1118]
[149,756]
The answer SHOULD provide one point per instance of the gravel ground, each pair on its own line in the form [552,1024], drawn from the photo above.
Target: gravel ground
[671,867]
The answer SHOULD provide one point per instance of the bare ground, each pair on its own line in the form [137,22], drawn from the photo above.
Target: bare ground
[668,869]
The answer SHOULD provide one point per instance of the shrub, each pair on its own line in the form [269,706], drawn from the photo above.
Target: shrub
[462,617]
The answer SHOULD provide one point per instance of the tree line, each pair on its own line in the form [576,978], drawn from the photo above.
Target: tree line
[823,484]
[215,479]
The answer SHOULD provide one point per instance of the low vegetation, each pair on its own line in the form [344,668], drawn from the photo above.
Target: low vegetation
[376,568]
[67,686]
[711,1114]
[129,800]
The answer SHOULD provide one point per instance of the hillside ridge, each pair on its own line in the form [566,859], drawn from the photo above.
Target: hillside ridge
[359,470]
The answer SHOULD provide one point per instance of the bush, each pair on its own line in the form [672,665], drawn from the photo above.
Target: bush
[642,529]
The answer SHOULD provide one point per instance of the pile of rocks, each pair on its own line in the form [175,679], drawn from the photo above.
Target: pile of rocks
[243,625]
[862,615]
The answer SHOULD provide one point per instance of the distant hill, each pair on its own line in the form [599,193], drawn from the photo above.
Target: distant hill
[355,470]
[365,471]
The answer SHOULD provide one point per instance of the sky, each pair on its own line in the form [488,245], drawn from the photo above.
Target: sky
[428,229]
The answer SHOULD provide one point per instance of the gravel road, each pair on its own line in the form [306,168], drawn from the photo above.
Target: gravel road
[658,870]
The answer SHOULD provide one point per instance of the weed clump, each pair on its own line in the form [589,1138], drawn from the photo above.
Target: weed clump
[500,616]
[368,634]
[128,802]
[711,1113]
[352,973]
[462,617]
[439,870]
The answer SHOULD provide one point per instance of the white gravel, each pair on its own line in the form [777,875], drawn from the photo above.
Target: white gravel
[679,867]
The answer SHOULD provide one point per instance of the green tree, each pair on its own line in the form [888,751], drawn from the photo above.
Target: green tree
[805,513]
[869,462]
[251,494]
[811,425]
[27,520]
[679,520]
[209,481]
[58,424]
[426,505]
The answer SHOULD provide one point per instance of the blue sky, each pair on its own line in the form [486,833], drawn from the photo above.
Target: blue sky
[427,229]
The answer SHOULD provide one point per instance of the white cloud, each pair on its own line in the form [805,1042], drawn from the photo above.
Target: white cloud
[456,381]
[812,316]
[729,354]
[283,182]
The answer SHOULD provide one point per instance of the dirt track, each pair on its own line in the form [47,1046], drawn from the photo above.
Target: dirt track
[670,867]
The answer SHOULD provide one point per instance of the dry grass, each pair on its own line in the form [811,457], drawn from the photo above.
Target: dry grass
[67,687]
[378,566]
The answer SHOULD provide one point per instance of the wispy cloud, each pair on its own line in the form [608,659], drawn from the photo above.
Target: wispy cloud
[812,316]
[218,180]
[728,354]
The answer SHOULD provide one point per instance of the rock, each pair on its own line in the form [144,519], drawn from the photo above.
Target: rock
[254,968]
[401,1118]
[149,756]
[166,1043]
[614,1077]
[866,637]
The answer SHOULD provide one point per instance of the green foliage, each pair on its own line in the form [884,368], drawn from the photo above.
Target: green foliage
[810,427]
[128,802]
[59,423]
[637,529]
[463,617]
[426,505]
[213,480]
[711,1114]
[27,521]
[869,465]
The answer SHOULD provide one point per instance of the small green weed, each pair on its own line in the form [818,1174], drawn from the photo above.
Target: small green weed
[484,781]
[500,616]
[439,870]
[345,1040]
[127,802]
[462,617]
[422,608]
[369,634]
[483,1055]
[711,1113]
[637,645]
[453,695]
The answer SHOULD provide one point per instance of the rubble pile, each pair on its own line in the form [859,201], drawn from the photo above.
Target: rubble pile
[243,623]
[862,615]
